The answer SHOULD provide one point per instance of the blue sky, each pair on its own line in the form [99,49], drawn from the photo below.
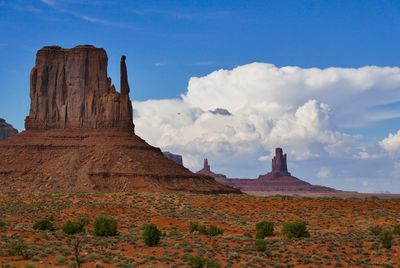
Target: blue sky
[169,42]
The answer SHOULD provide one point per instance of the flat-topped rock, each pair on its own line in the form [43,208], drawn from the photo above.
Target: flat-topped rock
[70,88]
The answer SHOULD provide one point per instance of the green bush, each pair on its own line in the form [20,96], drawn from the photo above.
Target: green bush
[151,235]
[376,230]
[214,231]
[261,245]
[264,229]
[3,225]
[193,226]
[386,239]
[72,228]
[296,229]
[202,229]
[396,229]
[44,224]
[199,262]
[83,220]
[105,226]
[60,260]
[18,247]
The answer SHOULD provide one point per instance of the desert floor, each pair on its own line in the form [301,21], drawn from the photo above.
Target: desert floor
[339,229]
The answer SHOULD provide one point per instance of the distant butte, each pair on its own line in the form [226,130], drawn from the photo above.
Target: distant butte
[80,134]
[174,157]
[279,180]
[6,130]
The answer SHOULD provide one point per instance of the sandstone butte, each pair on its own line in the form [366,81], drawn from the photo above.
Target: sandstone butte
[279,180]
[6,130]
[79,134]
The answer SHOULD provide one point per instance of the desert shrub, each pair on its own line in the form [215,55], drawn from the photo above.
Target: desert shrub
[263,229]
[105,226]
[3,225]
[151,235]
[214,230]
[44,224]
[396,229]
[202,229]
[376,230]
[199,262]
[195,261]
[386,239]
[60,260]
[193,226]
[261,245]
[72,228]
[18,247]
[83,220]
[296,229]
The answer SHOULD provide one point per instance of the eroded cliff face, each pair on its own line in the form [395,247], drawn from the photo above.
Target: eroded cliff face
[80,135]
[6,130]
[70,88]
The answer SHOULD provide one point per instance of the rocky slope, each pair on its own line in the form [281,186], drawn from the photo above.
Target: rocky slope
[80,135]
[6,130]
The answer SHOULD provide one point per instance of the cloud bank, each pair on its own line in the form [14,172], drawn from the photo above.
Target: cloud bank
[303,110]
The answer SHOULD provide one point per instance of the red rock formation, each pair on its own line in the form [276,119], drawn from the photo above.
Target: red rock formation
[279,164]
[174,157]
[6,130]
[279,180]
[206,170]
[70,88]
[80,135]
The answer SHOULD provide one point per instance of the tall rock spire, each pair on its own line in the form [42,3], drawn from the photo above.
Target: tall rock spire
[126,105]
[206,166]
[279,164]
[124,77]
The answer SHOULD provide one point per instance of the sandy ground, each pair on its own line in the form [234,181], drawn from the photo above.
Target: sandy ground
[339,229]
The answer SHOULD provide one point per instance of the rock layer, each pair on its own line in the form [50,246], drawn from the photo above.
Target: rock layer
[6,130]
[80,135]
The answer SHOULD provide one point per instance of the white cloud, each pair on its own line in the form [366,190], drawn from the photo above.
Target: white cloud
[391,143]
[324,172]
[298,109]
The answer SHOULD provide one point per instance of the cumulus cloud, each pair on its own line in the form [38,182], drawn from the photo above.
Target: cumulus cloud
[301,110]
[391,143]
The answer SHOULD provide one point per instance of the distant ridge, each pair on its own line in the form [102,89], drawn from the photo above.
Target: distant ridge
[279,180]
